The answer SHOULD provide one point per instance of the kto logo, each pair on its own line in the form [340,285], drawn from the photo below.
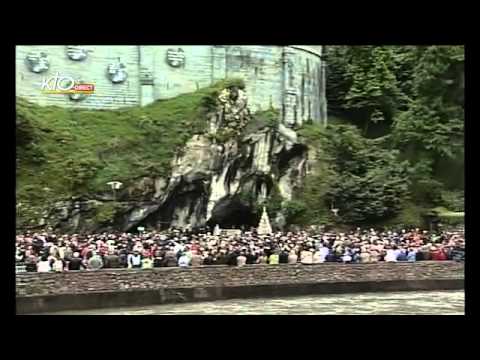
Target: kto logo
[65,85]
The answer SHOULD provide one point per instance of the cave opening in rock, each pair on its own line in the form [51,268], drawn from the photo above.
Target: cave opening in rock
[232,213]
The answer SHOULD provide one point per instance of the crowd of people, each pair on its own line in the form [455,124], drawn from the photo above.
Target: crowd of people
[47,251]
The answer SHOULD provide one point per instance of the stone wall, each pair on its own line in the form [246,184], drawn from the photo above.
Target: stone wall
[40,293]
[170,81]
[82,282]
[261,67]
[282,77]
[302,88]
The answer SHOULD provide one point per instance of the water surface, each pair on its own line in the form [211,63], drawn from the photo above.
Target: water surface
[392,303]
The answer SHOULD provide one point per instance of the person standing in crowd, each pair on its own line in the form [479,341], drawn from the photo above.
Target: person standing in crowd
[44,265]
[221,259]
[306,257]
[364,256]
[425,252]
[458,252]
[183,261]
[147,262]
[232,259]
[283,257]
[317,258]
[165,248]
[347,257]
[402,254]
[197,259]
[412,255]
[58,264]
[251,258]
[135,260]
[123,257]
[391,255]
[438,253]
[262,259]
[95,262]
[209,260]
[158,259]
[241,259]
[170,258]
[75,263]
[332,256]
[31,263]
[324,251]
[273,258]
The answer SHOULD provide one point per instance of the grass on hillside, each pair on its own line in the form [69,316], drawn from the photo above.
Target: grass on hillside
[63,152]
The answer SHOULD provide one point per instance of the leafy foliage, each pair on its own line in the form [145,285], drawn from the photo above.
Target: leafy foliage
[434,122]
[419,92]
[363,82]
[368,182]
[106,212]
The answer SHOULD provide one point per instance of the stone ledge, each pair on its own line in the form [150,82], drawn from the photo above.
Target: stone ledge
[51,303]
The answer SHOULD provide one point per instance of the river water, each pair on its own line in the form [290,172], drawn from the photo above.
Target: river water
[392,303]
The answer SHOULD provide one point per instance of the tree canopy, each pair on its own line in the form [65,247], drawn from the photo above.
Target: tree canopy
[417,94]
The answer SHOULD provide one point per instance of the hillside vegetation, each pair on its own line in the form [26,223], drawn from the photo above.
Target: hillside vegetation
[70,152]
[394,147]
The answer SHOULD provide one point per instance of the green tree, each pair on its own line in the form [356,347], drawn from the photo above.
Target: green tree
[435,120]
[365,83]
[365,181]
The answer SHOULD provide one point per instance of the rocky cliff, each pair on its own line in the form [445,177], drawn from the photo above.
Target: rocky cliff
[221,175]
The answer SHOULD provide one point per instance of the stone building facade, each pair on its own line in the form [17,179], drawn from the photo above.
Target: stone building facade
[288,78]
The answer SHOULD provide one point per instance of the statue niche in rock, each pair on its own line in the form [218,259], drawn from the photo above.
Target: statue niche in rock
[234,113]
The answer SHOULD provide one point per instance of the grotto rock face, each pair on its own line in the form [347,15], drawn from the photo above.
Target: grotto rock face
[211,181]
